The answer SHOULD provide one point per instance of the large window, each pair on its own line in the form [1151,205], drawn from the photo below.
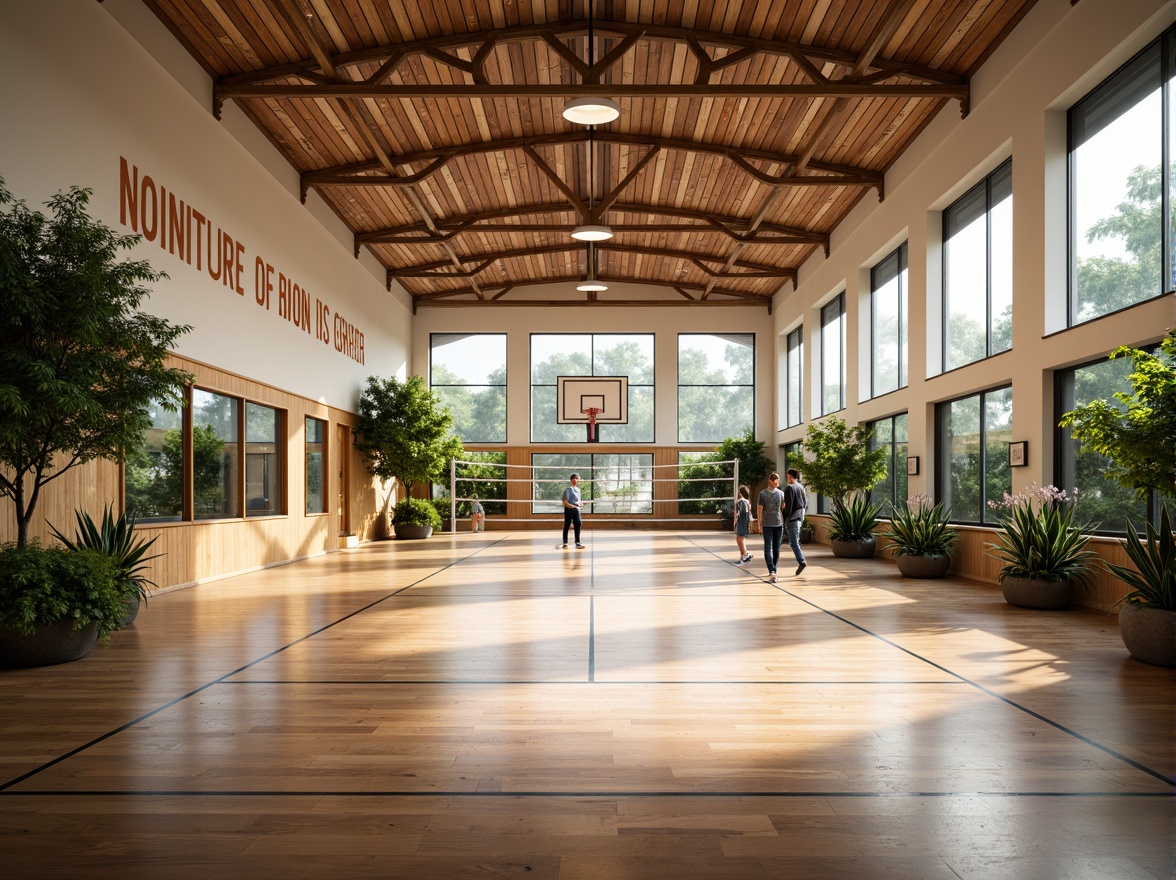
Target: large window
[155,470]
[1102,503]
[467,371]
[794,381]
[891,434]
[716,386]
[888,323]
[316,465]
[704,486]
[216,458]
[833,355]
[263,463]
[978,271]
[1121,218]
[972,460]
[600,354]
[610,484]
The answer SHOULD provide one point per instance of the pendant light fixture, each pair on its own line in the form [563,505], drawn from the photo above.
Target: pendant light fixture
[591,111]
[591,231]
[591,285]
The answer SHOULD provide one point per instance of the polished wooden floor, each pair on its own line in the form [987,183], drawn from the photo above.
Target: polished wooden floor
[488,705]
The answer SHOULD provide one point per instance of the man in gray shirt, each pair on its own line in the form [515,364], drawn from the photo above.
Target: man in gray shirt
[771,523]
[795,502]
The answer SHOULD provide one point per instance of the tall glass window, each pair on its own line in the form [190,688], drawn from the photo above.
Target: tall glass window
[978,271]
[1102,503]
[972,460]
[1121,188]
[263,460]
[891,434]
[316,465]
[610,484]
[888,321]
[600,354]
[833,355]
[216,458]
[716,386]
[794,366]
[155,469]
[467,371]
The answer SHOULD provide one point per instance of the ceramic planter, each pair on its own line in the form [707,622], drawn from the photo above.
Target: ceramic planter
[806,536]
[49,645]
[1036,592]
[1149,633]
[134,601]
[413,532]
[923,566]
[860,549]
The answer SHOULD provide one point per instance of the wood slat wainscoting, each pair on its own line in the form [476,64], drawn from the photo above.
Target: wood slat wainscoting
[973,561]
[210,549]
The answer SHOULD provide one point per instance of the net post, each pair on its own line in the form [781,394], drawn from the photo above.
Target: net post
[735,494]
[453,495]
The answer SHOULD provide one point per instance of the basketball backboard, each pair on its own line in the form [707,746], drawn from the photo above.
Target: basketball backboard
[608,395]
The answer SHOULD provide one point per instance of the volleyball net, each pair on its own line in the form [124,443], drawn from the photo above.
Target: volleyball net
[613,487]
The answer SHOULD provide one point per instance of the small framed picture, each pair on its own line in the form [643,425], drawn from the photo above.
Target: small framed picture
[1019,453]
[912,465]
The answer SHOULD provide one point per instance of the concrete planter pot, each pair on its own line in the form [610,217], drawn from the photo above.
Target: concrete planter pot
[806,536]
[408,531]
[860,549]
[923,566]
[1149,634]
[134,603]
[1037,593]
[49,645]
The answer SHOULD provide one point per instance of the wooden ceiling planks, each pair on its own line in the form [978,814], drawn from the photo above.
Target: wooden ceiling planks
[696,212]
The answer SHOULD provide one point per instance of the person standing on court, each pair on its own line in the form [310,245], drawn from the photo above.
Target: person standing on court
[795,502]
[572,505]
[771,523]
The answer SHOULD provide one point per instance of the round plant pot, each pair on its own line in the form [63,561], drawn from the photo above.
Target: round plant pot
[1149,634]
[806,536]
[923,566]
[49,645]
[408,531]
[1036,592]
[860,549]
[134,602]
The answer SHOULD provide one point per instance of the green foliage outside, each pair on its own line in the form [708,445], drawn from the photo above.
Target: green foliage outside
[754,464]
[79,363]
[404,432]
[40,586]
[478,476]
[1137,435]
[479,416]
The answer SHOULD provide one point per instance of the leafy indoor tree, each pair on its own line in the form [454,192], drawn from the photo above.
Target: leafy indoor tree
[79,363]
[405,432]
[839,461]
[754,464]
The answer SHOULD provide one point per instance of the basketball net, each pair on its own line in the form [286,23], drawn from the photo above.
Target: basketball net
[592,412]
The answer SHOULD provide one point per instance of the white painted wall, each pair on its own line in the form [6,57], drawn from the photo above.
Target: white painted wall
[88,84]
[1056,55]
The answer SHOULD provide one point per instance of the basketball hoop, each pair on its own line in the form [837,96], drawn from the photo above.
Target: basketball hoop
[592,412]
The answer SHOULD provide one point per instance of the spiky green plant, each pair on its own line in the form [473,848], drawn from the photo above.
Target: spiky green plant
[919,529]
[1043,540]
[854,520]
[116,539]
[1153,581]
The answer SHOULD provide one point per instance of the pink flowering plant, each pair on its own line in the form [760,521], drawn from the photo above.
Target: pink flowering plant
[1040,537]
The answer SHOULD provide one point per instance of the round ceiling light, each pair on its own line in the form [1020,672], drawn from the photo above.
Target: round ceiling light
[591,111]
[592,233]
[593,286]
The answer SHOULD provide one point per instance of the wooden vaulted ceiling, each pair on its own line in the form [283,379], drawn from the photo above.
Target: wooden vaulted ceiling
[748,128]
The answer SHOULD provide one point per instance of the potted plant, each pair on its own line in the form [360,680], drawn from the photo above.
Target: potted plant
[405,434]
[840,465]
[54,603]
[1136,433]
[415,518]
[921,540]
[1043,550]
[115,538]
[754,464]
[80,365]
